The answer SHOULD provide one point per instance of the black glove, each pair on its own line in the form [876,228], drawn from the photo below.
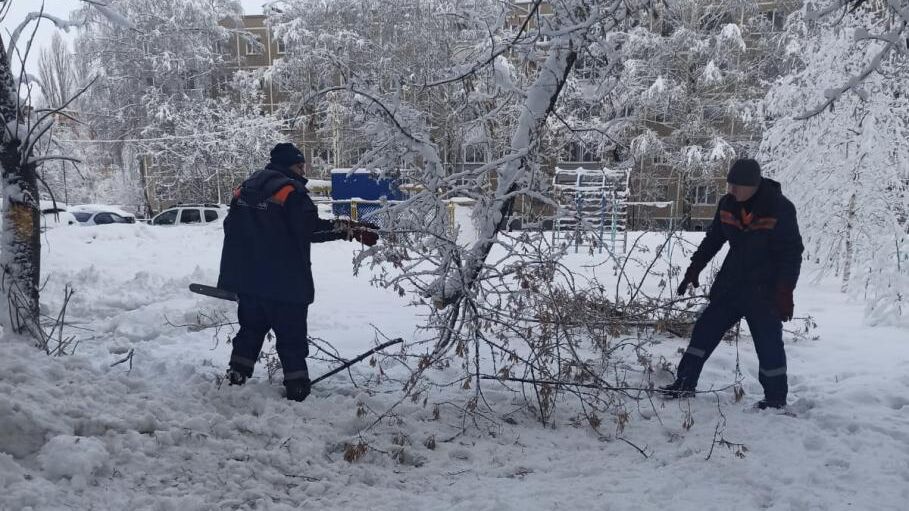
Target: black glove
[784,303]
[691,277]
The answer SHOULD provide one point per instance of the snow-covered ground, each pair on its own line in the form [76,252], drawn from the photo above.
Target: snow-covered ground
[160,433]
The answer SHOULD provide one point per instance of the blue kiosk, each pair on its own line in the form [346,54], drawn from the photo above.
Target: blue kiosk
[356,193]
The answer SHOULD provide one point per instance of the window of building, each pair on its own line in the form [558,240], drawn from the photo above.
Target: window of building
[776,19]
[254,46]
[475,153]
[576,151]
[280,47]
[222,83]
[702,194]
[324,154]
[659,113]
[656,191]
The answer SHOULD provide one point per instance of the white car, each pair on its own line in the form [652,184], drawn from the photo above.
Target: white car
[55,215]
[191,214]
[99,214]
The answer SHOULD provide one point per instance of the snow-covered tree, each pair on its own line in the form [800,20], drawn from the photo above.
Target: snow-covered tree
[885,38]
[492,77]
[57,72]
[162,106]
[694,73]
[846,165]
[206,147]
[24,127]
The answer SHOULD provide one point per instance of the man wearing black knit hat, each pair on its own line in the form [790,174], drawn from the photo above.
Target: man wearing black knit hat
[266,261]
[756,280]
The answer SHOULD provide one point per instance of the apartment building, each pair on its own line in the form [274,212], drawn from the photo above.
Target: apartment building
[253,46]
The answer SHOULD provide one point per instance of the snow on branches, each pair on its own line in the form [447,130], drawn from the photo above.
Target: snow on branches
[847,164]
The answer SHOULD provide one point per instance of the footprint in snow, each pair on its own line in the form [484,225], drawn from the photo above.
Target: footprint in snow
[897,402]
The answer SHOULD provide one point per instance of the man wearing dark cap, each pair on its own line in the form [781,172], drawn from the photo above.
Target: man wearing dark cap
[266,261]
[755,282]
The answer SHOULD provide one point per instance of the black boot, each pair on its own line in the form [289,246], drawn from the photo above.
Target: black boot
[679,389]
[765,403]
[235,377]
[297,390]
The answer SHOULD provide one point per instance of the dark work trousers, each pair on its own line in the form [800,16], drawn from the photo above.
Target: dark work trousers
[766,329]
[257,316]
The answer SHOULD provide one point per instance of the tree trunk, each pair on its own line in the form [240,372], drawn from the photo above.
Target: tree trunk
[847,264]
[20,243]
[541,101]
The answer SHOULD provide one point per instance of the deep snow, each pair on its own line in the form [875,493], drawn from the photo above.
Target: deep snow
[77,433]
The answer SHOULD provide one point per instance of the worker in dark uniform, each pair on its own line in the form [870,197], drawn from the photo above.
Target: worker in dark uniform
[266,261]
[756,280]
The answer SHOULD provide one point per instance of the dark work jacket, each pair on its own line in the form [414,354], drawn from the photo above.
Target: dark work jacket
[267,236]
[765,249]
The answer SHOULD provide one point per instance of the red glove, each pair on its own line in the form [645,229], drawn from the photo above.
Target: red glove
[364,232]
[365,236]
[691,277]
[782,298]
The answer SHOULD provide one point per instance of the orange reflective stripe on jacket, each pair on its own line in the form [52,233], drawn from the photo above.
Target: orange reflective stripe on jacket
[763,223]
[728,218]
[746,217]
[281,195]
[749,221]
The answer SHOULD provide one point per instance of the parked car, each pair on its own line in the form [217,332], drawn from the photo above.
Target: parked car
[186,214]
[99,214]
[55,215]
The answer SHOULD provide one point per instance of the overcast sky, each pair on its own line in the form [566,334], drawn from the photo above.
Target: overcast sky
[61,8]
